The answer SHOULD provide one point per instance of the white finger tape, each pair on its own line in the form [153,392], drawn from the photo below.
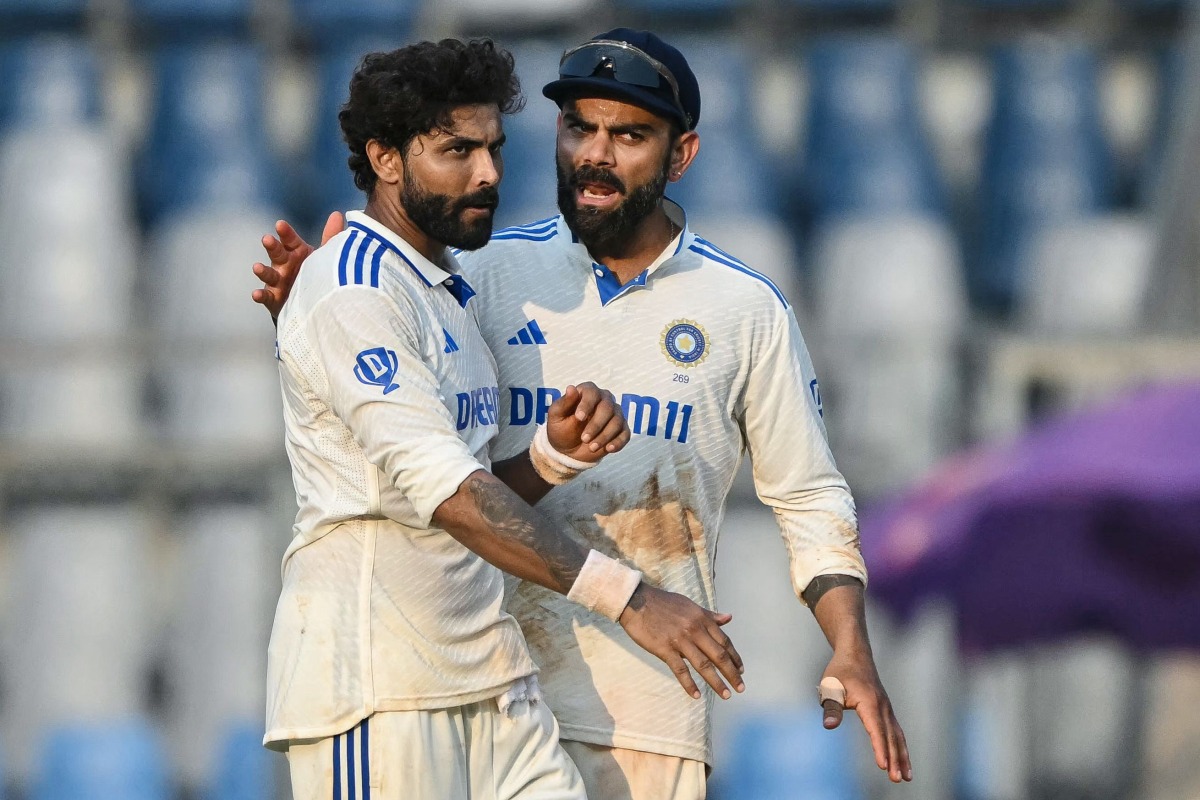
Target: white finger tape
[831,689]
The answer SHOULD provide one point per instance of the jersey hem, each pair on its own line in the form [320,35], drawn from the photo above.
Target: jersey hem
[606,737]
[282,738]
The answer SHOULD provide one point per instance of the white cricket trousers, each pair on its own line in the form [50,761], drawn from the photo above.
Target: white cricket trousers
[615,773]
[470,752]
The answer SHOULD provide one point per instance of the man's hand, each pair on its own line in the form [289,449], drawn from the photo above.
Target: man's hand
[865,694]
[287,253]
[680,632]
[586,423]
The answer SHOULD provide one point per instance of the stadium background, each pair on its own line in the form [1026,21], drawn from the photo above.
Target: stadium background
[966,200]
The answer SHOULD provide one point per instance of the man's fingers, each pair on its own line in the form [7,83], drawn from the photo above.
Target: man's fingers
[268,275]
[276,252]
[899,768]
[564,406]
[721,652]
[905,764]
[726,644]
[610,438]
[705,667]
[333,226]
[287,235]
[597,424]
[868,713]
[833,714]
[619,442]
[683,675]
[589,398]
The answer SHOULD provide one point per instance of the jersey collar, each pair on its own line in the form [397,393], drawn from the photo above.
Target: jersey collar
[607,284]
[429,273]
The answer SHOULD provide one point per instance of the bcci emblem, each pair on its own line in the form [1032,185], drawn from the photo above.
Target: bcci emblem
[685,343]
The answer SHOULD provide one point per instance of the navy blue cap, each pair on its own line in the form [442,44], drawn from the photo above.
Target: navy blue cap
[660,100]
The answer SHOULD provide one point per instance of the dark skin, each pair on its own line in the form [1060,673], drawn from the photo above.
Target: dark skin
[486,515]
[634,144]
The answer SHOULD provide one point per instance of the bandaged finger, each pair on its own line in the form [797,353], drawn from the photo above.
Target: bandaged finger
[831,688]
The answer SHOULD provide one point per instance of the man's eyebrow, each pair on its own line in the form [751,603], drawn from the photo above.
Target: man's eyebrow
[574,116]
[632,127]
[462,141]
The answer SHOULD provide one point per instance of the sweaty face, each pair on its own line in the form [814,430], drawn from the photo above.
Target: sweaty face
[451,178]
[613,160]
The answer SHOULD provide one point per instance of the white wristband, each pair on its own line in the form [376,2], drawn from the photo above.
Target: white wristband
[552,466]
[604,585]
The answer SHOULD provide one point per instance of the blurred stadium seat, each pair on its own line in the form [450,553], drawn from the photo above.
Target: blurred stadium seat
[66,249]
[336,24]
[783,755]
[690,7]
[890,311]
[1046,161]
[207,142]
[78,630]
[518,14]
[244,768]
[186,19]
[103,761]
[48,79]
[218,642]
[866,150]
[1087,277]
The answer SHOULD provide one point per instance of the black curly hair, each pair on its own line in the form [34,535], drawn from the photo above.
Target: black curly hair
[399,95]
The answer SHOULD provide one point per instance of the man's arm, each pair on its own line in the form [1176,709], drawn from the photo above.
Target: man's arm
[491,521]
[816,516]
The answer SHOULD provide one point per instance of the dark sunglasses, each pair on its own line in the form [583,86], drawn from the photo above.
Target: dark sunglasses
[629,65]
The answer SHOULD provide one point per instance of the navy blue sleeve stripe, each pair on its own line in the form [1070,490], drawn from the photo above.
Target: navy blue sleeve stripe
[359,258]
[344,260]
[375,262]
[365,746]
[740,267]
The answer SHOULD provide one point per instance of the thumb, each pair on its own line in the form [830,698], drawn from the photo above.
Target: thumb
[333,226]
[564,406]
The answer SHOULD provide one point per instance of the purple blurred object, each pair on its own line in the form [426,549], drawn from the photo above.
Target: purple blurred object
[1088,523]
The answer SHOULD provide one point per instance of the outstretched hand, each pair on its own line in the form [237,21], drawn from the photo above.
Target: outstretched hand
[586,423]
[864,693]
[286,254]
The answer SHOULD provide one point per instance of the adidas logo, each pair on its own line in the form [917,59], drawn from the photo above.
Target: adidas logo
[451,345]
[530,334]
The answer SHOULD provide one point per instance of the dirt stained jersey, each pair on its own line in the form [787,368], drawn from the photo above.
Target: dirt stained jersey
[707,361]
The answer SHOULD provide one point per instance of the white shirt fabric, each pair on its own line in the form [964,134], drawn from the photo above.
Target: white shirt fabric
[390,402]
[707,360]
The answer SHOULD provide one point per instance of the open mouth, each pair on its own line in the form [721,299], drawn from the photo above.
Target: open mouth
[596,194]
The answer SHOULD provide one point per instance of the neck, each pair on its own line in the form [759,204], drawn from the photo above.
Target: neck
[387,210]
[629,258]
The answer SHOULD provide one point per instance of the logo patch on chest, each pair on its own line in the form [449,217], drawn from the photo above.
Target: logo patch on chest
[685,343]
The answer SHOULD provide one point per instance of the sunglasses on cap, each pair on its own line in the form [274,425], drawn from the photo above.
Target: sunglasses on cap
[629,65]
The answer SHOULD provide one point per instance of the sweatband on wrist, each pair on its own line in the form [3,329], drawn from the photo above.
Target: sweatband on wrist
[552,466]
[604,585]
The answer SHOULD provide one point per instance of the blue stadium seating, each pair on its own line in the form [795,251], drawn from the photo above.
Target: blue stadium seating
[783,755]
[120,761]
[244,767]
[680,6]
[48,79]
[1172,65]
[1045,162]
[207,139]
[185,19]
[866,150]
[843,6]
[17,16]
[335,24]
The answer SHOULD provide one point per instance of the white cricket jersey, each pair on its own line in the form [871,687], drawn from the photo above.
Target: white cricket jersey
[390,402]
[706,359]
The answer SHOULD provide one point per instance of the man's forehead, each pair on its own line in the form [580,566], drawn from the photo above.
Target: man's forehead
[483,121]
[611,111]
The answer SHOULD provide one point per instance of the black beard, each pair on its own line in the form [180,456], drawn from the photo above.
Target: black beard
[604,232]
[439,216]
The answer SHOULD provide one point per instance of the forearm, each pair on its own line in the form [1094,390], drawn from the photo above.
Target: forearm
[837,602]
[518,474]
[491,520]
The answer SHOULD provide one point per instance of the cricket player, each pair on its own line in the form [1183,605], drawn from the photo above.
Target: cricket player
[394,671]
[708,361]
